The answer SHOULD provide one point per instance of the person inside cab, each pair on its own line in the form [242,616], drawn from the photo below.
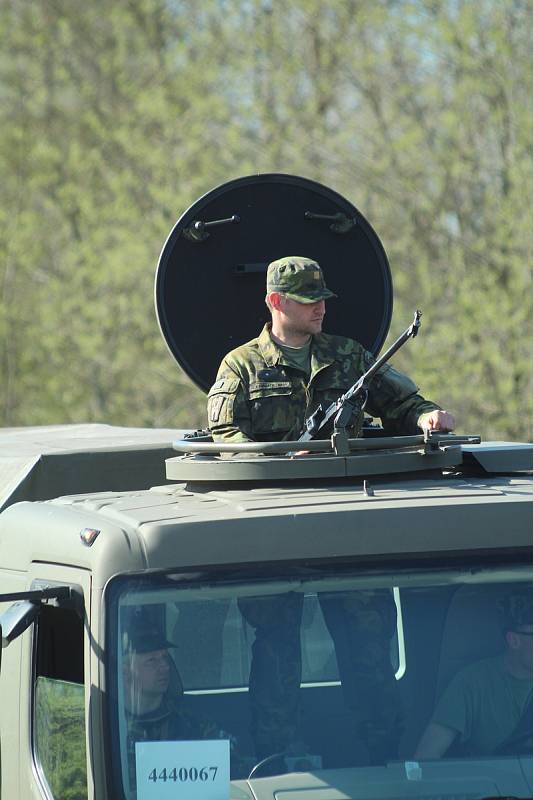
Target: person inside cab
[153,698]
[487,708]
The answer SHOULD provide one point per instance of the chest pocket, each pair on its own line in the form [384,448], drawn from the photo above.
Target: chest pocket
[329,386]
[273,406]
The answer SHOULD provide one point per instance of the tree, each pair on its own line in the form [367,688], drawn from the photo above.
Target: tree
[117,116]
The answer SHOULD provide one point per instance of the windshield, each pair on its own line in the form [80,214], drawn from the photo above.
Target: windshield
[376,685]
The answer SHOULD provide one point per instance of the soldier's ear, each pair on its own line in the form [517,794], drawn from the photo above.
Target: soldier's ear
[513,640]
[275,299]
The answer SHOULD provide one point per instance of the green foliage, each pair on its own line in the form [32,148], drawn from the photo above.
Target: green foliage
[60,737]
[116,116]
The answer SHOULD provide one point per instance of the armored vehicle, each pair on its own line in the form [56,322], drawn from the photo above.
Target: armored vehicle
[212,632]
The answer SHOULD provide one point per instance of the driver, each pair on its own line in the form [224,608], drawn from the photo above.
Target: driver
[153,696]
[487,705]
[153,692]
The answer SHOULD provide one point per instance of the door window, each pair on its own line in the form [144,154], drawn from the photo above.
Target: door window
[59,704]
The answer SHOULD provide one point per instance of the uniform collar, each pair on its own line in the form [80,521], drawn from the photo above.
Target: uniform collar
[168,706]
[269,350]
[321,353]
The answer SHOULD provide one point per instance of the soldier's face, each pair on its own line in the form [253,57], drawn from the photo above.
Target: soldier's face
[149,673]
[303,318]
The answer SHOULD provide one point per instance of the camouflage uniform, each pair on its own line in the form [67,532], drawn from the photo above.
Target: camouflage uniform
[276,670]
[362,624]
[259,396]
[170,723]
[165,724]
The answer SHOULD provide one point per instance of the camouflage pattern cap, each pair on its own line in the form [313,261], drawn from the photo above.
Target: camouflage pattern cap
[298,278]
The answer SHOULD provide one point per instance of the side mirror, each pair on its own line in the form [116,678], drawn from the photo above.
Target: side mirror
[22,613]
[16,619]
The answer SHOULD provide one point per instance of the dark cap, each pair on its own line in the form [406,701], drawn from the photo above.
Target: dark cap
[517,609]
[145,640]
[298,278]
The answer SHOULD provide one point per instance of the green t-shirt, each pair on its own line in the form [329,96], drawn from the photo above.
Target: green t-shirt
[484,704]
[298,357]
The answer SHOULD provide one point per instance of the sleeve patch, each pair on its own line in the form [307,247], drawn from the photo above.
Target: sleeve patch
[216,405]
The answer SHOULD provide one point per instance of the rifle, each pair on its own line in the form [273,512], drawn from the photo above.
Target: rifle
[354,400]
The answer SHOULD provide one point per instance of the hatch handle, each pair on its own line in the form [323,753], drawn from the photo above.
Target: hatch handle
[197,231]
[341,223]
[251,268]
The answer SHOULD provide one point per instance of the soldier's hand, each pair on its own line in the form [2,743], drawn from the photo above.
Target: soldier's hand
[436,421]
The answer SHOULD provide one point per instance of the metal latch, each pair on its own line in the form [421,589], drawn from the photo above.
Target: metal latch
[198,231]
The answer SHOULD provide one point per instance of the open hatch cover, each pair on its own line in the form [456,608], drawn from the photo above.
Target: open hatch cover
[210,280]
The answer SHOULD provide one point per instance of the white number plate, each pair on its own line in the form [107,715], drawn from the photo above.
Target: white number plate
[191,770]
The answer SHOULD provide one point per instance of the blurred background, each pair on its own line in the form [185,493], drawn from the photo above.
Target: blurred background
[116,115]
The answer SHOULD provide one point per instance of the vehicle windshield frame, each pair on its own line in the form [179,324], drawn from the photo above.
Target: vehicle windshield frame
[271,578]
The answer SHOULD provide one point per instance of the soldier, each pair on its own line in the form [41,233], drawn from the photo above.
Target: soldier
[487,709]
[153,697]
[265,389]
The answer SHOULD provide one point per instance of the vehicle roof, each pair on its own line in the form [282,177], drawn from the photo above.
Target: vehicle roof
[173,527]
[166,507]
[41,462]
[431,515]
